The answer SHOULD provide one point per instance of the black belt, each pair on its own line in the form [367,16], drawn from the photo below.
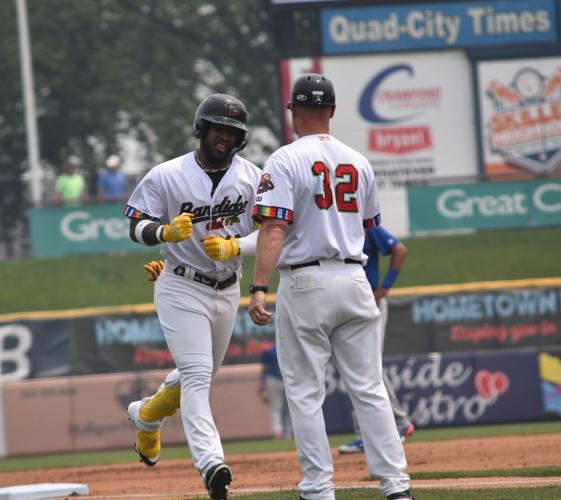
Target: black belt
[207,280]
[316,263]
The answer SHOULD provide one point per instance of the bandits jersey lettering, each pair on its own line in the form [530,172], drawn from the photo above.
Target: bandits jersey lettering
[326,191]
[181,185]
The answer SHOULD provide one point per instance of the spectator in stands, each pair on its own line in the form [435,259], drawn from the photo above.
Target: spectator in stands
[69,187]
[112,183]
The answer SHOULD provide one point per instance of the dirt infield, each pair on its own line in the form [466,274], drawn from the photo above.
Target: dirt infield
[173,479]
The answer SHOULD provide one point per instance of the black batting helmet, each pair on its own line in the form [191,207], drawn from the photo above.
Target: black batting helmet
[312,89]
[222,109]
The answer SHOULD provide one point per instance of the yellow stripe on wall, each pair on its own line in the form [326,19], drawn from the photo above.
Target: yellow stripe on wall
[244,302]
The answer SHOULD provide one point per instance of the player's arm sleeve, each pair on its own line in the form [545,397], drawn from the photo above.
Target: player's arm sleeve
[248,244]
[371,216]
[381,239]
[145,209]
[275,195]
[145,232]
[388,244]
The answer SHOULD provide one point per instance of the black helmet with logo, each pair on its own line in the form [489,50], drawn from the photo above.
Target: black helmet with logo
[312,89]
[222,109]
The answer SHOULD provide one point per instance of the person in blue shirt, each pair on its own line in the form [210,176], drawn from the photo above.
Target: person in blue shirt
[271,391]
[112,183]
[379,241]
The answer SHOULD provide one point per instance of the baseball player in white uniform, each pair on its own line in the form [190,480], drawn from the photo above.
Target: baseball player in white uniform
[315,198]
[198,207]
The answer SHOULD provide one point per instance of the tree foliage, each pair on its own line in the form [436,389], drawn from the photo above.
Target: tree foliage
[105,69]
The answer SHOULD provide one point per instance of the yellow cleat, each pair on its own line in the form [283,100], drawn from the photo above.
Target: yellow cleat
[147,444]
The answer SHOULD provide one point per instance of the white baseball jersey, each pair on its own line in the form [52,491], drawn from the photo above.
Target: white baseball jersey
[327,191]
[181,185]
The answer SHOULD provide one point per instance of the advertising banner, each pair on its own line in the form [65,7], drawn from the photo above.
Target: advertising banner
[452,389]
[30,349]
[484,205]
[411,120]
[108,344]
[80,230]
[520,110]
[437,25]
[432,322]
[477,320]
[550,373]
[464,389]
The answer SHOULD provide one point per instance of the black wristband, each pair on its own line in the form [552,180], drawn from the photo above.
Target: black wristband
[256,288]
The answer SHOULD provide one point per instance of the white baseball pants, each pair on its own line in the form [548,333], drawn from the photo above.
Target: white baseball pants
[197,322]
[329,311]
[400,415]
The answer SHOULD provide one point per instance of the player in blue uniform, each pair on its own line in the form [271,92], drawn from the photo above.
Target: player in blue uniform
[379,241]
[271,391]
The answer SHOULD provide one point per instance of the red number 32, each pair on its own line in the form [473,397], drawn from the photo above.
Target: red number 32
[345,190]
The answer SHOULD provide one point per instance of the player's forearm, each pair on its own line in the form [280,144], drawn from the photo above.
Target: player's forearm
[397,257]
[144,232]
[269,247]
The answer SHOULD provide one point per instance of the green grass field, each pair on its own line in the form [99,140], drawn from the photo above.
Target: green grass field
[84,281]
[258,446]
[548,493]
[268,446]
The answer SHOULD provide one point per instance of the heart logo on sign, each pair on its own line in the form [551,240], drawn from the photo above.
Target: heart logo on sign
[491,384]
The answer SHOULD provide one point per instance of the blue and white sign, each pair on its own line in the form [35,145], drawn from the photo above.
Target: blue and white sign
[451,25]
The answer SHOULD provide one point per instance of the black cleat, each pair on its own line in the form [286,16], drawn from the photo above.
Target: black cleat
[217,480]
[402,495]
[145,460]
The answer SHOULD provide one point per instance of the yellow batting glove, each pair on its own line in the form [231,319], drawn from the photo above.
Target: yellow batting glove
[179,229]
[154,269]
[219,248]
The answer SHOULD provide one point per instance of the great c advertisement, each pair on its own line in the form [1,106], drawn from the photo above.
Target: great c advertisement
[520,109]
[484,205]
[80,230]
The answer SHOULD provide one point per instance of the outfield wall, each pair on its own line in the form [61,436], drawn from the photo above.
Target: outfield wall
[457,355]
[442,318]
[67,414]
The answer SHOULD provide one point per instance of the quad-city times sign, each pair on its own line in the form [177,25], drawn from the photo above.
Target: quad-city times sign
[83,229]
[484,205]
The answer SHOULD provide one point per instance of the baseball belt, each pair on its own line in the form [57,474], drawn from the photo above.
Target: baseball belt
[316,263]
[206,280]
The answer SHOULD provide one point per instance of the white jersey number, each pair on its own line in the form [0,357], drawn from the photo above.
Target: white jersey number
[345,190]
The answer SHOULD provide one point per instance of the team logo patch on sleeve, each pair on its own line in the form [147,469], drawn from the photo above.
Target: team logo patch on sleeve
[265,184]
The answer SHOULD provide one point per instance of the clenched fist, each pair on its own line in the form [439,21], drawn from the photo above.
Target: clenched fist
[179,229]
[154,269]
[219,248]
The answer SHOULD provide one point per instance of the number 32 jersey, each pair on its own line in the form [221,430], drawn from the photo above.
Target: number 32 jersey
[328,194]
